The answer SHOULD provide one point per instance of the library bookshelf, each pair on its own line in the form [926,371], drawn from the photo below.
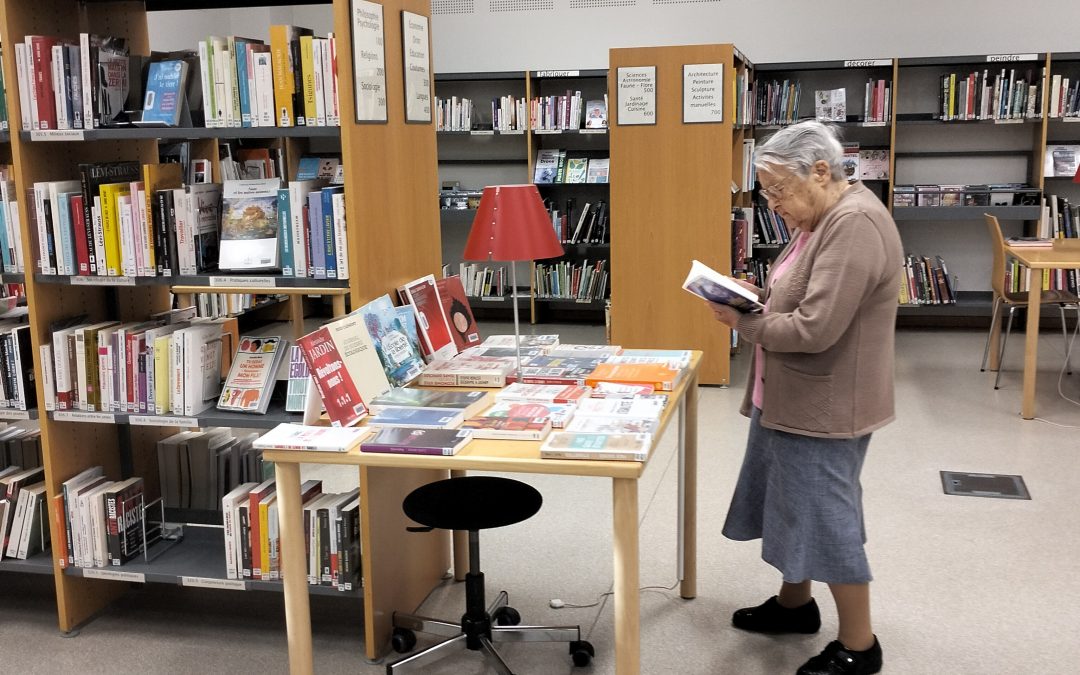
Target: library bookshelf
[393,237]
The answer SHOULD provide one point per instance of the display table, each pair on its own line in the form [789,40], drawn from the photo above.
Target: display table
[400,568]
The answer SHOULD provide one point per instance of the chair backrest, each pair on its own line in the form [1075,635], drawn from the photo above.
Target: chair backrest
[997,241]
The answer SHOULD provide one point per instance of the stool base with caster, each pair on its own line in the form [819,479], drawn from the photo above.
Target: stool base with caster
[444,504]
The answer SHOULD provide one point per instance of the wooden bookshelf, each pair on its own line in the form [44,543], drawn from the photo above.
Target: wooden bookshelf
[670,204]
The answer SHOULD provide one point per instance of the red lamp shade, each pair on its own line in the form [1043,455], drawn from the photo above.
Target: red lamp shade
[512,224]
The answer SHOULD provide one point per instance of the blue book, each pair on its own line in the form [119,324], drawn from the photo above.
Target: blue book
[164,101]
[4,252]
[389,333]
[420,418]
[328,227]
[240,52]
[315,225]
[308,168]
[67,232]
[285,230]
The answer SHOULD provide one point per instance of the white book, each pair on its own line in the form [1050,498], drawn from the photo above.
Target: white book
[341,236]
[249,225]
[70,489]
[33,520]
[99,528]
[264,88]
[252,97]
[65,383]
[89,118]
[139,215]
[639,407]
[41,193]
[176,374]
[230,518]
[317,70]
[56,63]
[80,523]
[35,123]
[105,367]
[319,439]
[127,235]
[99,236]
[206,75]
[24,86]
[16,223]
[201,366]
[15,533]
[298,195]
[48,381]
[333,115]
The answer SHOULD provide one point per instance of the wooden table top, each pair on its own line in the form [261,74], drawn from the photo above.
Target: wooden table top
[1045,257]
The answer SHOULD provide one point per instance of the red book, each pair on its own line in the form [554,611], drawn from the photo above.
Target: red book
[254,497]
[435,338]
[457,312]
[78,224]
[41,61]
[60,525]
[331,372]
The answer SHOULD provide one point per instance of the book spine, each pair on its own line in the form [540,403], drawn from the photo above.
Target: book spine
[285,236]
[404,450]
[282,76]
[243,54]
[340,235]
[328,234]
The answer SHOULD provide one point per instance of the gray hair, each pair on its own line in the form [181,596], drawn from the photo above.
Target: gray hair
[799,146]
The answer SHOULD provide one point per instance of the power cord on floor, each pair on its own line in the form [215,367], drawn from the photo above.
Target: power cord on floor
[556,603]
[1061,379]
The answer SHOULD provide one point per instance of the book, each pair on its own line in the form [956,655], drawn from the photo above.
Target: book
[613,390]
[480,371]
[674,358]
[830,105]
[657,375]
[469,403]
[250,382]
[406,440]
[547,164]
[420,418]
[873,165]
[458,313]
[586,351]
[577,445]
[423,295]
[511,420]
[598,171]
[249,225]
[592,424]
[542,393]
[577,169]
[164,100]
[315,439]
[708,284]
[299,377]
[596,114]
[639,407]
[345,367]
[544,342]
[401,361]
[1061,160]
[849,163]
[567,370]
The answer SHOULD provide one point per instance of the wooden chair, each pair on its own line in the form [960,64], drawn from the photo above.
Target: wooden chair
[1004,297]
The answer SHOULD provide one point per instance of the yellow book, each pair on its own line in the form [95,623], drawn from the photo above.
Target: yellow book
[307,72]
[110,224]
[952,95]
[162,391]
[263,572]
[284,59]
[159,177]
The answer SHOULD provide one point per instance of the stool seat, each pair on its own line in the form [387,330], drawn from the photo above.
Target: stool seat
[472,503]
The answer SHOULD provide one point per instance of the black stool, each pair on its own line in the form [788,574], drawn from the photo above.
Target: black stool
[475,503]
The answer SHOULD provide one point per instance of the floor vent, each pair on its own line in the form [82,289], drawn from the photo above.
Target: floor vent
[1000,486]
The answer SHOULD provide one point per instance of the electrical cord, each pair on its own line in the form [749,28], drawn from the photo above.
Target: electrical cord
[556,603]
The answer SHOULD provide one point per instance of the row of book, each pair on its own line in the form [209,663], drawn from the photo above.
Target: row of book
[104,521]
[24,520]
[453,114]
[11,248]
[553,166]
[748,175]
[1060,219]
[196,469]
[926,282]
[999,194]
[991,96]
[769,226]
[565,280]
[123,219]
[483,281]
[567,111]
[777,102]
[331,528]
[589,225]
[20,446]
[1017,278]
[223,305]
[1064,97]
[17,371]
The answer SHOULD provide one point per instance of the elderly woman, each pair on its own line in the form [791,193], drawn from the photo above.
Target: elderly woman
[820,381]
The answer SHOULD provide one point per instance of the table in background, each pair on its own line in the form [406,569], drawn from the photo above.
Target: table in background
[400,568]
[1036,258]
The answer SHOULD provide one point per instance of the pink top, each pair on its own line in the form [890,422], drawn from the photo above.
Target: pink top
[778,271]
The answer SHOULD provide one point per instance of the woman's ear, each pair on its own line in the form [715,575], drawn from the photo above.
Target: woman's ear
[822,171]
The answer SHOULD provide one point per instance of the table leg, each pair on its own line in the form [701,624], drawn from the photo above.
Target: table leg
[1031,343]
[627,602]
[460,543]
[294,569]
[688,479]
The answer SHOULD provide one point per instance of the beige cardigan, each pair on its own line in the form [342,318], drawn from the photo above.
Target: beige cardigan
[829,333]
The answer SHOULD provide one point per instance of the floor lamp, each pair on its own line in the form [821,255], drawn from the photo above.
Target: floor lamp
[512,225]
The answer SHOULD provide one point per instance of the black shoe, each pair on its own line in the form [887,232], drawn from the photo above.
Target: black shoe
[838,660]
[772,617]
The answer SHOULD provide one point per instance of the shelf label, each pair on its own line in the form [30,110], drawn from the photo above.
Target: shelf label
[82,416]
[512,132]
[867,63]
[1013,121]
[493,298]
[583,301]
[58,135]
[558,73]
[244,282]
[482,132]
[996,58]
[1070,119]
[874,124]
[207,582]
[162,421]
[547,131]
[592,131]
[14,414]
[102,281]
[114,575]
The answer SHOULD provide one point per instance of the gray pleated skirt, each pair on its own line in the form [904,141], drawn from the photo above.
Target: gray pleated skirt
[801,496]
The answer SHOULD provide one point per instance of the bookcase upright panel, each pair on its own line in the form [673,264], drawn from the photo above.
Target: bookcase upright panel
[671,203]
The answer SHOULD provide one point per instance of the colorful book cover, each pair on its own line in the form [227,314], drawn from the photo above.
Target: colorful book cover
[543,342]
[165,89]
[640,407]
[251,377]
[612,425]
[299,375]
[587,351]
[401,361]
[512,421]
[405,440]
[543,393]
[434,331]
[458,313]
[420,418]
[249,225]
[467,402]
[576,445]
[321,439]
[329,240]
[598,170]
[577,169]
[480,371]
[658,375]
[596,114]
[547,164]
[558,370]
[346,368]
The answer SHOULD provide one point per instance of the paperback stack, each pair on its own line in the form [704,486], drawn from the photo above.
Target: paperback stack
[24,521]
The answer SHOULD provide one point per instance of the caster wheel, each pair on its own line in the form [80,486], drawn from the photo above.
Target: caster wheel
[507,616]
[581,652]
[403,640]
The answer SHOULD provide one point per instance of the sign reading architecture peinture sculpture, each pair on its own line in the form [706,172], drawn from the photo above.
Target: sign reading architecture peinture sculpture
[703,92]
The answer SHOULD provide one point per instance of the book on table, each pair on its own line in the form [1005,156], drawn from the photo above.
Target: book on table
[614,390]
[479,371]
[657,375]
[543,393]
[586,446]
[407,440]
[591,424]
[567,370]
[423,296]
[319,439]
[674,358]
[469,403]
[251,378]
[587,351]
[543,342]
[420,418]
[641,407]
[512,420]
[458,313]
[401,359]
[708,284]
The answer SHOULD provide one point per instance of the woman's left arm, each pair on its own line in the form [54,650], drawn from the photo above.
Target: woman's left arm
[846,267]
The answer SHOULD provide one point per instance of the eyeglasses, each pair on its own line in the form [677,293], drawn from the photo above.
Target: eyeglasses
[776,190]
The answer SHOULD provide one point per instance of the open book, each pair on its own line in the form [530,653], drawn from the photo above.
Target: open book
[707,283]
